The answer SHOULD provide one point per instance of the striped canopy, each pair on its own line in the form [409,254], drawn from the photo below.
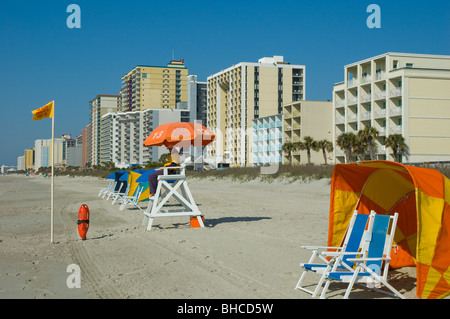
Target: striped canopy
[421,196]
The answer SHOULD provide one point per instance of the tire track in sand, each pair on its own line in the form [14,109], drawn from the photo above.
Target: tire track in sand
[90,274]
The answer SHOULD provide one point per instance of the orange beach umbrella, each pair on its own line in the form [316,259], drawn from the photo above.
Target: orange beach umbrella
[180,134]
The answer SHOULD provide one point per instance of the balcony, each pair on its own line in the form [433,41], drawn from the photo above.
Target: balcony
[340,103]
[396,130]
[380,114]
[366,79]
[365,116]
[352,82]
[366,98]
[395,92]
[352,118]
[380,95]
[379,76]
[352,100]
[340,119]
[339,152]
[395,111]
[382,131]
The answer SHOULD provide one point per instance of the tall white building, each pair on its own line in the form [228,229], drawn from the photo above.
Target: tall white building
[99,106]
[123,135]
[197,100]
[397,93]
[244,92]
[41,156]
[20,163]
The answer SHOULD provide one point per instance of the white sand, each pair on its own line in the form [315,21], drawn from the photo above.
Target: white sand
[250,247]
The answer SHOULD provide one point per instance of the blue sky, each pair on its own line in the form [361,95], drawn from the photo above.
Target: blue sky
[41,59]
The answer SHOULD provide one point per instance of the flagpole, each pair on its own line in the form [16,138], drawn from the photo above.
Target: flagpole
[53,174]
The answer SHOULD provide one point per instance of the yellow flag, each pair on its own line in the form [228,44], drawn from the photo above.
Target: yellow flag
[43,112]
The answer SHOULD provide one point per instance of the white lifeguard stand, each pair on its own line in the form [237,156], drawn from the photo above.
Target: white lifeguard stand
[171,184]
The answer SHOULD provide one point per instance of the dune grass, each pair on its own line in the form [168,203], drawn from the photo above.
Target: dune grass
[286,172]
[269,174]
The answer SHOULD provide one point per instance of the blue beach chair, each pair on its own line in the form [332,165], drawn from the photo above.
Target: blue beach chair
[372,268]
[352,242]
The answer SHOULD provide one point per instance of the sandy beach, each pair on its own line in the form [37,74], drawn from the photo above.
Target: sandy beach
[250,247]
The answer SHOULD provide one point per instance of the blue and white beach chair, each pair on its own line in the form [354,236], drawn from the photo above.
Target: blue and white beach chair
[133,200]
[372,267]
[352,242]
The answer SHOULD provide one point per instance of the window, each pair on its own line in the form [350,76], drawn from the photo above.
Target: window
[409,65]
[395,64]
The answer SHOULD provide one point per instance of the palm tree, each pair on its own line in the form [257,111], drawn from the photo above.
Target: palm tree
[307,144]
[325,146]
[347,141]
[288,147]
[361,145]
[397,143]
[368,135]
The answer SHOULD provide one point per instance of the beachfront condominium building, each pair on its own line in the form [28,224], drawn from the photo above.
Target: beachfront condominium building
[123,135]
[99,106]
[307,118]
[197,100]
[86,146]
[267,139]
[243,92]
[41,153]
[20,163]
[29,159]
[397,93]
[154,87]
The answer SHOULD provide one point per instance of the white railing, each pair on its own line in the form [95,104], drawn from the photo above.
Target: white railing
[352,82]
[340,103]
[380,113]
[340,119]
[395,111]
[379,76]
[352,118]
[365,116]
[395,92]
[352,100]
[366,79]
[366,98]
[396,130]
[380,95]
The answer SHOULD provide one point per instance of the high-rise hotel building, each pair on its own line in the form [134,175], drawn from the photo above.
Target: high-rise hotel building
[397,93]
[154,87]
[123,135]
[243,92]
[99,106]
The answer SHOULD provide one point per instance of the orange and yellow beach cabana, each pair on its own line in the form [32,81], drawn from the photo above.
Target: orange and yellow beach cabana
[421,196]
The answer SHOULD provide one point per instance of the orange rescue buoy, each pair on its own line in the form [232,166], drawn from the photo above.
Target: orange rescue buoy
[83,221]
